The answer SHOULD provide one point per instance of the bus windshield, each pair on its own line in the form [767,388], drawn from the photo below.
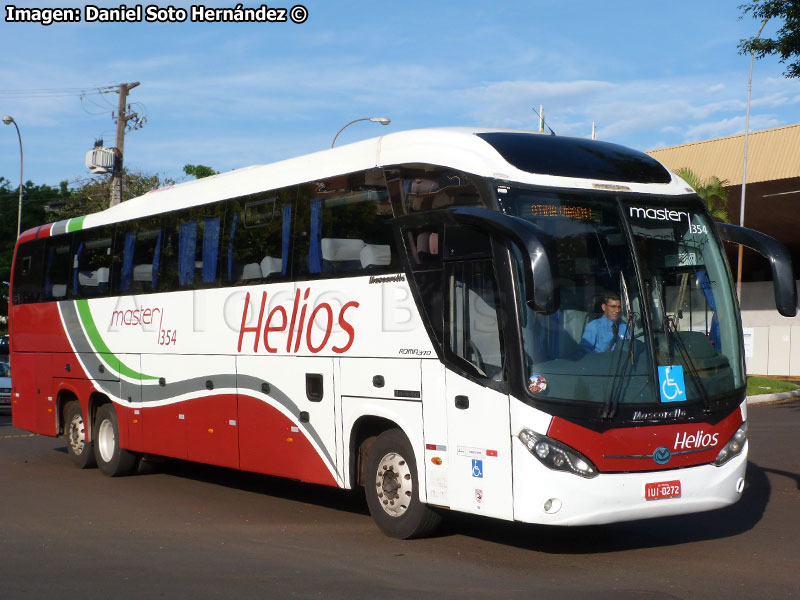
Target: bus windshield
[646,313]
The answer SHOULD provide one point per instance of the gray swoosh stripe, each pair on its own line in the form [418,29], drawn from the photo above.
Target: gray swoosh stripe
[241,383]
[156,392]
[59,227]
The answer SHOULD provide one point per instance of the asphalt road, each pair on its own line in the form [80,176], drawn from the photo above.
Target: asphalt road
[179,530]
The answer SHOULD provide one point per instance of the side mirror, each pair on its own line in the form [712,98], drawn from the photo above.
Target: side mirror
[780,262]
[536,244]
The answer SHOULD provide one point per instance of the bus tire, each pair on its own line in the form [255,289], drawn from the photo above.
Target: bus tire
[392,489]
[112,460]
[79,450]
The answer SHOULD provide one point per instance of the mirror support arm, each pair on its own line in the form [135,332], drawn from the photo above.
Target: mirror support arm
[780,262]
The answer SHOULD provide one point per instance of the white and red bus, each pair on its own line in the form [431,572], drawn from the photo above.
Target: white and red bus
[410,314]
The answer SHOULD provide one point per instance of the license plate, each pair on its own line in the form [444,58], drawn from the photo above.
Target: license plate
[662,490]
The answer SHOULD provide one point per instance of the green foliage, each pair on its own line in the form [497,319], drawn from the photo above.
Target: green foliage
[93,194]
[199,171]
[786,43]
[711,191]
[43,204]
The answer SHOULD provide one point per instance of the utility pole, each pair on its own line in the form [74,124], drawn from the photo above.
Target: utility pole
[122,121]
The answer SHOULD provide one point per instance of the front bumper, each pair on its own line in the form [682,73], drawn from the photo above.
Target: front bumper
[556,498]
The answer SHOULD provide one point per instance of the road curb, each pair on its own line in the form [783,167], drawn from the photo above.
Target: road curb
[763,398]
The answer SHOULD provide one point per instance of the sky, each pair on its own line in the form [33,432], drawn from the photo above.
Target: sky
[228,95]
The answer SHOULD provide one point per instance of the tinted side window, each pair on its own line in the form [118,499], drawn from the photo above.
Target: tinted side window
[416,189]
[258,237]
[92,263]
[57,267]
[191,258]
[474,329]
[27,282]
[207,248]
[425,257]
[344,226]
[137,248]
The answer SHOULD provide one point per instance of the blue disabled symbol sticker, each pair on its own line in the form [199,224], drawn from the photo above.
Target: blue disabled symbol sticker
[671,383]
[477,468]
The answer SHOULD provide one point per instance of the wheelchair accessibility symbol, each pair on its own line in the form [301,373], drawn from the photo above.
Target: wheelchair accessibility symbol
[477,468]
[671,383]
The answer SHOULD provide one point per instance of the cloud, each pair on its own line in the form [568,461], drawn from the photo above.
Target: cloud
[511,103]
[726,127]
[639,112]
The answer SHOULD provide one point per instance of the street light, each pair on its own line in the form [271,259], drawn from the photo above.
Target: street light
[744,169]
[8,120]
[381,120]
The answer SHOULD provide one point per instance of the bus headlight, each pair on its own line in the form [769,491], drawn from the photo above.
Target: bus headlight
[733,447]
[555,455]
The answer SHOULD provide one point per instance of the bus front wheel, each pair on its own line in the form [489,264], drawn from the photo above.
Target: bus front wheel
[112,459]
[392,489]
[79,449]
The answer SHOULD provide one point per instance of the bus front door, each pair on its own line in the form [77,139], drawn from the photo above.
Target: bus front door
[478,421]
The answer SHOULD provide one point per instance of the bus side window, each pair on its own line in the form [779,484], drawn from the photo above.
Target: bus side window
[258,237]
[345,227]
[136,250]
[472,311]
[57,265]
[423,248]
[416,189]
[207,256]
[198,245]
[92,261]
[28,273]
[472,315]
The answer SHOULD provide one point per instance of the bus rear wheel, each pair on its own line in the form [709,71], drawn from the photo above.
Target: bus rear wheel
[79,449]
[112,459]
[392,489]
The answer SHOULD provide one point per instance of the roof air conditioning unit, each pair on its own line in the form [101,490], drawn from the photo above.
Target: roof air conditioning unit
[100,160]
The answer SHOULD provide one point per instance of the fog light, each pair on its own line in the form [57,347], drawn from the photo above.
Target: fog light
[552,506]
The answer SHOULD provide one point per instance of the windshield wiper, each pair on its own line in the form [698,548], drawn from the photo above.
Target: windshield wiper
[687,359]
[618,382]
[664,321]
[631,315]
[670,327]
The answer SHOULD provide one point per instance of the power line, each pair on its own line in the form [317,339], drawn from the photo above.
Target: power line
[56,92]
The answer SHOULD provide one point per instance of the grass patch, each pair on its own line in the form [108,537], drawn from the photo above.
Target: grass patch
[763,385]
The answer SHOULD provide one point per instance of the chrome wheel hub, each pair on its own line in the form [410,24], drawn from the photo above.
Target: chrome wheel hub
[76,436]
[394,484]
[105,440]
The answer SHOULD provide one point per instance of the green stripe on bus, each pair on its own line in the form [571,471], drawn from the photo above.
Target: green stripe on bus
[75,224]
[99,344]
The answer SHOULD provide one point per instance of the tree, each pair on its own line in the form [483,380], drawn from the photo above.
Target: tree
[711,191]
[93,194]
[786,44]
[199,171]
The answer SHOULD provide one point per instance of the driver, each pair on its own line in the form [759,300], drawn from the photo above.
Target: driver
[602,334]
